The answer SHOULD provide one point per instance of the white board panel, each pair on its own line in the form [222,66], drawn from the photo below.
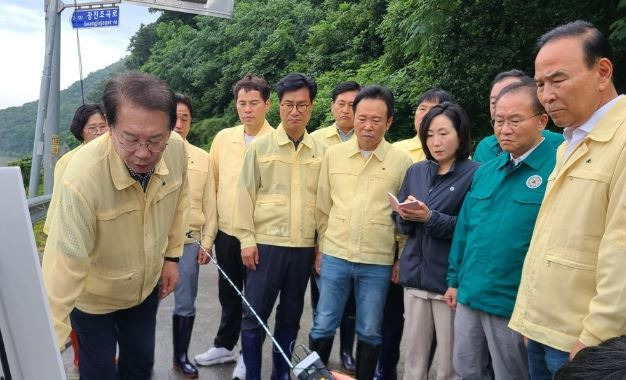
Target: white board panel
[25,322]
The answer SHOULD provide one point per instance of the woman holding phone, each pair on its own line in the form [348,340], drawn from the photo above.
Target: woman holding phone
[438,185]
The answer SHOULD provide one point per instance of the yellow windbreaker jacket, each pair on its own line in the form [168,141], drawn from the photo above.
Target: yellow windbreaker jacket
[573,285]
[275,197]
[108,238]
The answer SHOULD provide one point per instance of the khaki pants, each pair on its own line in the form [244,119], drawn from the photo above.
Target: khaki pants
[427,314]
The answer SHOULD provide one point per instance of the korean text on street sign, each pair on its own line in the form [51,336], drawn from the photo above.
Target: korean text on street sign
[95,18]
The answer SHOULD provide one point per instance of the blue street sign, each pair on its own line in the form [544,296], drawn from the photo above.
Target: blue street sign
[95,18]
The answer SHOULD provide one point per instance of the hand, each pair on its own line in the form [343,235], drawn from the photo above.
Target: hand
[203,255]
[420,214]
[450,298]
[395,272]
[169,278]
[250,257]
[317,265]
[577,347]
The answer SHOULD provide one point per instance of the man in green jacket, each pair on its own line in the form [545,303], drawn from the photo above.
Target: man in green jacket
[492,236]
[489,147]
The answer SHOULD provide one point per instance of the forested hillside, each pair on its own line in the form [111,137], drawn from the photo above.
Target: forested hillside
[408,45]
[17,124]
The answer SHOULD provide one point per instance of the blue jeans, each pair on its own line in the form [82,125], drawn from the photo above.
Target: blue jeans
[187,287]
[544,361]
[371,282]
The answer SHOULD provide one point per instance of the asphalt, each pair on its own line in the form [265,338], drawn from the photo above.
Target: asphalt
[207,321]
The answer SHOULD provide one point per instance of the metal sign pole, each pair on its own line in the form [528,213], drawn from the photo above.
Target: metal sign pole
[52,20]
[51,126]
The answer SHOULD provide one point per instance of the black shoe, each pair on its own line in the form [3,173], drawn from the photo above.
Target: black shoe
[366,360]
[347,362]
[322,346]
[346,341]
[378,374]
[181,333]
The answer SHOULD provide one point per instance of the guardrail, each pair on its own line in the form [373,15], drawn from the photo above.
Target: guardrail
[38,207]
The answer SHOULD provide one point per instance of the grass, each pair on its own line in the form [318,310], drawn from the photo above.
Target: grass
[40,237]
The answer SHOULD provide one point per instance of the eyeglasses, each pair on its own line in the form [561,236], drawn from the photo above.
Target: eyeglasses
[513,122]
[133,146]
[97,130]
[301,107]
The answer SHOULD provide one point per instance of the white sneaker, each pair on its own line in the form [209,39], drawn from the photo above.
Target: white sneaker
[215,355]
[240,369]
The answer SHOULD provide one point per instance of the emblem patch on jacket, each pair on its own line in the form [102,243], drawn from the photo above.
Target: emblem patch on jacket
[534,181]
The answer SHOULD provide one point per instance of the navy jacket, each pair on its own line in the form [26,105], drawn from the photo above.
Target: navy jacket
[424,260]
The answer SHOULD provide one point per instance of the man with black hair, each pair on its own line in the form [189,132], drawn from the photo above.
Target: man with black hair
[252,101]
[572,288]
[275,222]
[489,147]
[341,107]
[202,226]
[118,232]
[340,131]
[356,232]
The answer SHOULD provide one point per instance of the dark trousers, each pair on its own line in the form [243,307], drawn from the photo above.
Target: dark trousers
[283,270]
[131,329]
[393,326]
[228,252]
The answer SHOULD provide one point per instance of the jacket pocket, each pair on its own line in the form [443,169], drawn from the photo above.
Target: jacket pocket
[312,175]
[113,213]
[570,263]
[528,197]
[271,215]
[378,236]
[123,285]
[562,288]
[167,190]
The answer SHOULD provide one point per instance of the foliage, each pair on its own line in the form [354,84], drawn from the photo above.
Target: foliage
[17,124]
[24,164]
[407,45]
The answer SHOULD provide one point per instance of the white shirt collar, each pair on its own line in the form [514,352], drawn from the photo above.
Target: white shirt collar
[574,135]
[588,125]
[521,158]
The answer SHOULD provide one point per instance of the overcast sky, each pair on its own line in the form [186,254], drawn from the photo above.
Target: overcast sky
[22,44]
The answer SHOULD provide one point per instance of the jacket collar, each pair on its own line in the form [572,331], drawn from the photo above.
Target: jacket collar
[119,171]
[417,143]
[283,139]
[534,160]
[380,152]
[607,125]
[434,166]
[332,131]
[238,135]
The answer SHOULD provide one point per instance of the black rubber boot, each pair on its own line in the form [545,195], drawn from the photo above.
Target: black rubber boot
[251,349]
[346,341]
[366,360]
[322,346]
[287,340]
[181,334]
